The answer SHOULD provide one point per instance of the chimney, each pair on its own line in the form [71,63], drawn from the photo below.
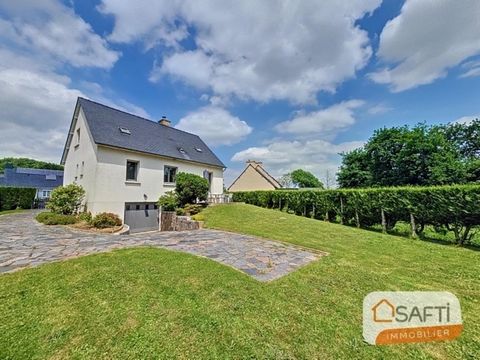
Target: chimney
[164,121]
[254,163]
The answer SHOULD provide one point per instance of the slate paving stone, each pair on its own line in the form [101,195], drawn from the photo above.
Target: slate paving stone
[26,243]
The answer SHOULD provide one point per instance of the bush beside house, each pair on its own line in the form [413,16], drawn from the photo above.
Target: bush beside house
[66,200]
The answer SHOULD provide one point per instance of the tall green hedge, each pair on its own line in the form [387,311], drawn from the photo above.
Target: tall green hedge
[13,197]
[456,208]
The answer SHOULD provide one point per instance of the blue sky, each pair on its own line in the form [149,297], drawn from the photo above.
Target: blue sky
[289,83]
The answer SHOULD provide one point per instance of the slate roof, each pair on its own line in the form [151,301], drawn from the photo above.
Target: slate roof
[33,178]
[145,136]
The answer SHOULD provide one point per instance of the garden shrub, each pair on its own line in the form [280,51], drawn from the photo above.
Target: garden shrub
[66,200]
[12,198]
[454,207]
[49,218]
[192,209]
[85,217]
[169,201]
[106,220]
[190,188]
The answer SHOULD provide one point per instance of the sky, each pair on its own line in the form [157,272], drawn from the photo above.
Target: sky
[289,83]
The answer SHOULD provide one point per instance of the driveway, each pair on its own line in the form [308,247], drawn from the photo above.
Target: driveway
[25,243]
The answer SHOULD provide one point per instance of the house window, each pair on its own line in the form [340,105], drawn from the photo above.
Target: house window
[169,173]
[132,170]
[46,193]
[78,137]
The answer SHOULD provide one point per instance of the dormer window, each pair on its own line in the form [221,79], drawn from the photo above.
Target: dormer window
[125,131]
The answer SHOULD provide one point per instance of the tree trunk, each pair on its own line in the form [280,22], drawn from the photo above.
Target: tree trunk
[357,219]
[413,226]
[313,211]
[305,210]
[280,204]
[384,222]
[326,216]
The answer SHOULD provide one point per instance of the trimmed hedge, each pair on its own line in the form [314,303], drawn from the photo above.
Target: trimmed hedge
[456,207]
[49,218]
[105,220]
[12,198]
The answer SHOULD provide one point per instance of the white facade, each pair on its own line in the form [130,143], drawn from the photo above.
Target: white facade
[101,171]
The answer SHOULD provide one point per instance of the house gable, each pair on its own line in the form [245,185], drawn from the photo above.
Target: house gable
[254,177]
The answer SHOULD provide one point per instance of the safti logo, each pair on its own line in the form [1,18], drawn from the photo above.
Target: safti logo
[410,316]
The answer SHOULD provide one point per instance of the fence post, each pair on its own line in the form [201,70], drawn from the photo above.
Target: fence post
[384,222]
[413,226]
[357,218]
[341,210]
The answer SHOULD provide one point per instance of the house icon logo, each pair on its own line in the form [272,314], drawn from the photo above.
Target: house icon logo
[383,311]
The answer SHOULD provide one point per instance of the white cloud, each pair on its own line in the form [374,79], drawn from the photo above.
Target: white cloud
[245,51]
[52,31]
[379,109]
[323,122]
[425,40]
[281,157]
[466,119]
[216,126]
[35,112]
[472,69]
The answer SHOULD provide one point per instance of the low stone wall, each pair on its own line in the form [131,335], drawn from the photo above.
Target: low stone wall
[184,223]
[169,221]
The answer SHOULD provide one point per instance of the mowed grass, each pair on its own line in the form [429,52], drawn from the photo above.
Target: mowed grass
[9,212]
[154,303]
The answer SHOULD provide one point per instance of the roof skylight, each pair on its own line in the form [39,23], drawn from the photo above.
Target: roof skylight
[198,149]
[125,131]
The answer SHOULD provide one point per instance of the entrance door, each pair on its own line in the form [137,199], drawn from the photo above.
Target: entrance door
[141,217]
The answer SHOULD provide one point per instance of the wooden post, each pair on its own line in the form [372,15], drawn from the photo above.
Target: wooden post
[384,222]
[341,210]
[357,218]
[413,226]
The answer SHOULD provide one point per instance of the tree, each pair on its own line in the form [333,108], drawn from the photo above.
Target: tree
[66,200]
[422,155]
[190,187]
[355,170]
[27,163]
[305,179]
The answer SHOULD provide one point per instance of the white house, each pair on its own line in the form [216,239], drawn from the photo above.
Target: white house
[125,162]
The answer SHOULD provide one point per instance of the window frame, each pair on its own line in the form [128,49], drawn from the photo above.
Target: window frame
[137,168]
[168,176]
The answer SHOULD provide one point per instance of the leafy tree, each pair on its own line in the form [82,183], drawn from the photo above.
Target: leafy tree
[305,179]
[190,187]
[421,155]
[66,200]
[27,163]
[354,171]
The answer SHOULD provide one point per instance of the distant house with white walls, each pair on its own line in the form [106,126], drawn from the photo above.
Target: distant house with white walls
[126,162]
[254,177]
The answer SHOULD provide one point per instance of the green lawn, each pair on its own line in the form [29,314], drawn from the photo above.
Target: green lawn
[153,303]
[7,212]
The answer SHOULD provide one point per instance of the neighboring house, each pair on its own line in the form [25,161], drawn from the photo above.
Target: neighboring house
[41,179]
[254,177]
[125,162]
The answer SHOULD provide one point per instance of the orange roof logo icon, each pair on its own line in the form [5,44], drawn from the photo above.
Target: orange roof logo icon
[383,311]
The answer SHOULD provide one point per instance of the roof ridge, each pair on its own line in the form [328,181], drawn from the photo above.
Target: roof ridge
[138,116]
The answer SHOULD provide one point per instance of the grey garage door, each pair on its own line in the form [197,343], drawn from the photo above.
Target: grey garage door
[141,216]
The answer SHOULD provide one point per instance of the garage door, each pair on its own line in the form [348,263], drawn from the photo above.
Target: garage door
[141,216]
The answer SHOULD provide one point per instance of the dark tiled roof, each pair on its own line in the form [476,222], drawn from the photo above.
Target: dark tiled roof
[34,178]
[145,135]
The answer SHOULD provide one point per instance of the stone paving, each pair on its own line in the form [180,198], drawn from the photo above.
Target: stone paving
[25,243]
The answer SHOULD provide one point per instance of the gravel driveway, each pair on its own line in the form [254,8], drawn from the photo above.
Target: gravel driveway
[24,243]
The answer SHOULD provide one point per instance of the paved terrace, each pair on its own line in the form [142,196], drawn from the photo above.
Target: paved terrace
[25,243]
